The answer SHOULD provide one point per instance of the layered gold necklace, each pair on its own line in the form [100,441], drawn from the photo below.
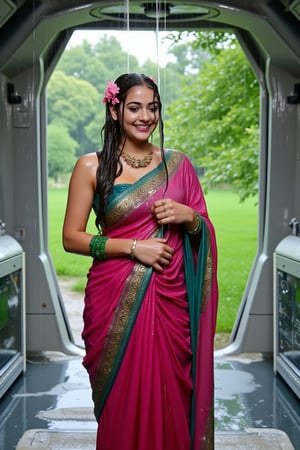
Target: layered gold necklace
[136,163]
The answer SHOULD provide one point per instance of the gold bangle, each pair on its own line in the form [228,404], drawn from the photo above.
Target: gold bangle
[133,247]
[197,228]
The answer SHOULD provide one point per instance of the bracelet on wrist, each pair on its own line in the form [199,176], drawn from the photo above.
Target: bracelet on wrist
[197,227]
[133,247]
[97,246]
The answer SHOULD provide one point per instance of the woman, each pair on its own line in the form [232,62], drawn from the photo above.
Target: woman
[151,295]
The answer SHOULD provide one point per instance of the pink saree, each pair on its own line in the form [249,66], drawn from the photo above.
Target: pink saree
[149,337]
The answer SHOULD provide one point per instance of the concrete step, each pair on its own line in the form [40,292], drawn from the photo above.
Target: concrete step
[250,439]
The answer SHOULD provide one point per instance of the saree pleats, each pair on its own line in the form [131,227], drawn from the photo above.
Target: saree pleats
[150,368]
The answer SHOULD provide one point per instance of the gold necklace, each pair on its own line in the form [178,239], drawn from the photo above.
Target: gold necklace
[135,162]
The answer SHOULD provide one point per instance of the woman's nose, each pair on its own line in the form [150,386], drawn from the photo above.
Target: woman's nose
[144,114]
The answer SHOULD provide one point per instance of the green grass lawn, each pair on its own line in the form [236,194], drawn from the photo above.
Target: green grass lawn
[66,264]
[236,231]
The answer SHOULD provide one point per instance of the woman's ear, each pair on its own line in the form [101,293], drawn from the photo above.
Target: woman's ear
[113,112]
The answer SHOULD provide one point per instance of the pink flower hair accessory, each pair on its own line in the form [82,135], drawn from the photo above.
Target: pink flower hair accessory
[110,93]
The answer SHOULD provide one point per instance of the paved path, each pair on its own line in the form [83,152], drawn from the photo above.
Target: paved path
[73,302]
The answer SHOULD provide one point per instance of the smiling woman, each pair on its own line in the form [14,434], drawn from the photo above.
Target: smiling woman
[162,346]
[152,284]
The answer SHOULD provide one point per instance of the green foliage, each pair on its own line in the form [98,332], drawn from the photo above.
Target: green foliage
[61,150]
[169,82]
[216,121]
[72,103]
[187,59]
[214,42]
[93,130]
[96,63]
[75,62]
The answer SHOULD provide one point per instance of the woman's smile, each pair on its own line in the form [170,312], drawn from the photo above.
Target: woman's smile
[143,128]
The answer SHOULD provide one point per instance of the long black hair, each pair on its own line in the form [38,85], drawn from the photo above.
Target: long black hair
[112,134]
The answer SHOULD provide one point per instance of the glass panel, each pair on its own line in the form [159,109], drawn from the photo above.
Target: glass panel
[289,316]
[10,317]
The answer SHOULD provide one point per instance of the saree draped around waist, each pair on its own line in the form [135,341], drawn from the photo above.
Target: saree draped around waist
[149,336]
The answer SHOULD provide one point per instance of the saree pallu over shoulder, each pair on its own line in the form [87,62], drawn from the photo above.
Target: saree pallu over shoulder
[122,205]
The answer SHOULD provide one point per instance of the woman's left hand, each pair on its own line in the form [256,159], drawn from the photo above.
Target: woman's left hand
[168,211]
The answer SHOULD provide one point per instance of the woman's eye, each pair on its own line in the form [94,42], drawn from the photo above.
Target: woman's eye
[133,109]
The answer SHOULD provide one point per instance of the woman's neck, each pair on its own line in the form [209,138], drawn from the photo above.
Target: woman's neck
[133,148]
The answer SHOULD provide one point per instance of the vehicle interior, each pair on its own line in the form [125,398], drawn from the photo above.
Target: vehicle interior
[33,36]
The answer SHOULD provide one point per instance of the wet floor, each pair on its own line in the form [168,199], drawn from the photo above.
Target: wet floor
[247,395]
[55,394]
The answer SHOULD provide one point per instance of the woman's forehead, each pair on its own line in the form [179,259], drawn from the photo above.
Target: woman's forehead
[140,93]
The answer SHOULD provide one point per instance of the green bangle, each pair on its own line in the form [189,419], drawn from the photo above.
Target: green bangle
[197,227]
[97,246]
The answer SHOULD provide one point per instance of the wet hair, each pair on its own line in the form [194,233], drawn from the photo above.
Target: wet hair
[112,135]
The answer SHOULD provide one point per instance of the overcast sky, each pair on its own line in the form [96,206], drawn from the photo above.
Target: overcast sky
[142,44]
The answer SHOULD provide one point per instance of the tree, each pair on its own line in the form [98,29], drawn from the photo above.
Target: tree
[77,85]
[187,58]
[216,120]
[61,150]
[169,81]
[96,63]
[72,103]
[93,129]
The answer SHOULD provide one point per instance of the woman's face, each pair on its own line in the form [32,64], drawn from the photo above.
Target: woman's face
[141,113]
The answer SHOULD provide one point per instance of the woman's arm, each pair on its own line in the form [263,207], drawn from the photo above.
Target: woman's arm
[153,252]
[79,204]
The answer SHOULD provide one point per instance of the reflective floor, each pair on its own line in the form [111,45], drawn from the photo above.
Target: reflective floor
[247,395]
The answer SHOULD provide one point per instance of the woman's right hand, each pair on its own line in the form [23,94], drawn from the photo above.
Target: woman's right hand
[154,252]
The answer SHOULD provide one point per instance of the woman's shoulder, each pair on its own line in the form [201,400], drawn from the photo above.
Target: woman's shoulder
[174,151]
[86,167]
[177,154]
[178,158]
[88,160]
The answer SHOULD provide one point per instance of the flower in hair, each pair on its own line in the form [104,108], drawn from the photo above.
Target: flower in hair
[110,93]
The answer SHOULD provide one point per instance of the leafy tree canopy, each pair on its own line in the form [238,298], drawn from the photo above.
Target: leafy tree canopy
[71,101]
[61,150]
[216,119]
[96,63]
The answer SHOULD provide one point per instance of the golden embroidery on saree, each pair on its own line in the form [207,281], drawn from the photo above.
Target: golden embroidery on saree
[140,192]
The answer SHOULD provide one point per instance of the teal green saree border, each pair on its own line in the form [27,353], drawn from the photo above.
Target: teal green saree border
[194,284]
[99,400]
